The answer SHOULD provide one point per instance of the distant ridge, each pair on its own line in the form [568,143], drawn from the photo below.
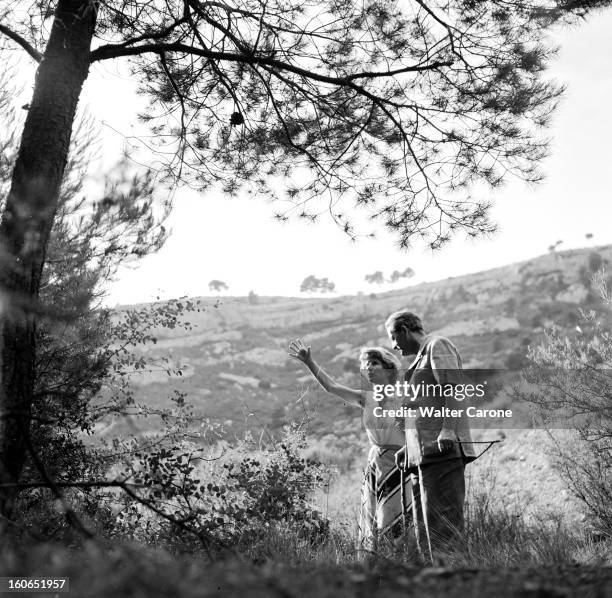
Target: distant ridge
[560,273]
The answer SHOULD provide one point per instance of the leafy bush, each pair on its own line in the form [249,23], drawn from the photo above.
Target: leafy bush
[572,377]
[231,499]
[279,484]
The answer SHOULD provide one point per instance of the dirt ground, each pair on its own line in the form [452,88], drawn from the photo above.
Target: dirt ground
[129,571]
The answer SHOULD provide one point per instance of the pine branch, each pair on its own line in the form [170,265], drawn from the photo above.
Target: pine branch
[26,45]
[109,51]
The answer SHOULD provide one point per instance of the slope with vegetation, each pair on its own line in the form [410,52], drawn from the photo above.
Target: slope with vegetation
[235,366]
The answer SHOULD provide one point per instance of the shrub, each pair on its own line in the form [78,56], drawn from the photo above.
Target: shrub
[231,499]
[279,484]
[572,381]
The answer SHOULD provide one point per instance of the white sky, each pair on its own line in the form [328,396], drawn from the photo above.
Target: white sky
[237,241]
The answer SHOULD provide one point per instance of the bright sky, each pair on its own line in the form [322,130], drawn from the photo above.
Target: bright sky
[237,241]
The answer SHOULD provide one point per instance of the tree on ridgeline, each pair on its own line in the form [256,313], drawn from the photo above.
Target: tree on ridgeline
[375,278]
[397,275]
[312,284]
[379,278]
[217,286]
[552,248]
[392,111]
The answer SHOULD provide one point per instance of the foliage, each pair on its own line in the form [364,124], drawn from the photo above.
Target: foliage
[217,285]
[75,337]
[168,476]
[280,488]
[86,354]
[396,274]
[312,284]
[233,498]
[594,265]
[451,94]
[8,118]
[586,462]
[497,535]
[375,278]
[394,109]
[378,277]
[573,389]
[569,10]
[97,393]
[253,298]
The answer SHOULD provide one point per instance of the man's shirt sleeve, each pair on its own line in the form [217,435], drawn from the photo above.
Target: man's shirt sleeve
[446,363]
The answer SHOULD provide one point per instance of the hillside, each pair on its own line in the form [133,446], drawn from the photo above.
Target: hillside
[236,370]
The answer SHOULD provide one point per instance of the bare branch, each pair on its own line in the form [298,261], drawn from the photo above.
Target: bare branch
[77,484]
[27,46]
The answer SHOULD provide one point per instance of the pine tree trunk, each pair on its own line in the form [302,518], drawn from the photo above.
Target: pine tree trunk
[27,220]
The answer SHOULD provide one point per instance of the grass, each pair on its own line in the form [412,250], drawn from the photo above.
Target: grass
[504,554]
[498,534]
[509,550]
[283,565]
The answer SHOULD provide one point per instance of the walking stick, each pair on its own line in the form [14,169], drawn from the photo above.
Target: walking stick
[403,500]
[415,518]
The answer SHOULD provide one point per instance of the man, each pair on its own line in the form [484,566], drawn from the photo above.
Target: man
[437,442]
